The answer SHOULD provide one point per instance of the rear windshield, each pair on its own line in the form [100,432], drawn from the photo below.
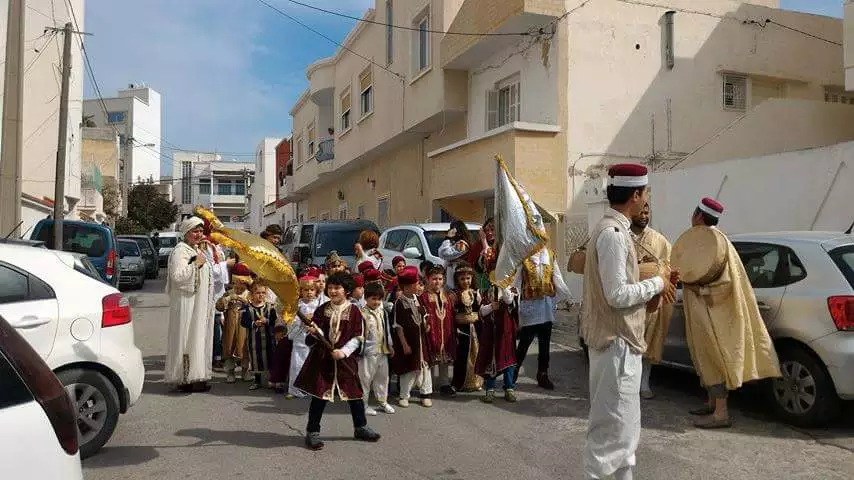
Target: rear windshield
[341,241]
[844,259]
[129,249]
[167,242]
[84,265]
[436,237]
[90,241]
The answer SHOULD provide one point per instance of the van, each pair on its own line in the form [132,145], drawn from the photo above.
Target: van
[96,241]
[308,243]
[166,242]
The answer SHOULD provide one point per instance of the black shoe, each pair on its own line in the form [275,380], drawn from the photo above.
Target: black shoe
[544,382]
[185,388]
[366,434]
[312,441]
[448,391]
[201,387]
[702,411]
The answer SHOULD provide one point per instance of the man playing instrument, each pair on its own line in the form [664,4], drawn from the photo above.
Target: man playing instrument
[652,247]
[727,338]
[612,323]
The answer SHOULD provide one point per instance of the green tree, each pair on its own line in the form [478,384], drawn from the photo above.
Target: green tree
[110,192]
[148,210]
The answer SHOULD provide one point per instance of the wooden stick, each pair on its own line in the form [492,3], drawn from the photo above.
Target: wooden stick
[326,343]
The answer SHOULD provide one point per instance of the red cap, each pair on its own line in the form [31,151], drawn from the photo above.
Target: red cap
[397,259]
[365,266]
[628,175]
[307,279]
[359,280]
[241,269]
[313,272]
[711,207]
[408,276]
[372,275]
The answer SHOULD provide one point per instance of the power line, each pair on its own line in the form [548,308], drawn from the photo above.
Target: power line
[294,19]
[768,20]
[415,29]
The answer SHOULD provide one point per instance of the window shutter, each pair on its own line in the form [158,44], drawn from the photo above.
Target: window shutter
[345,102]
[491,109]
[514,103]
[365,80]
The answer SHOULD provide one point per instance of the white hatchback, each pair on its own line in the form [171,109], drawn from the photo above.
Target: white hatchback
[81,327]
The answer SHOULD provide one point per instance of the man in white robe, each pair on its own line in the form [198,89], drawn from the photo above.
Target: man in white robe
[612,323]
[189,284]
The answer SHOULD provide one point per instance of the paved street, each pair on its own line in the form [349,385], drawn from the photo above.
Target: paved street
[234,433]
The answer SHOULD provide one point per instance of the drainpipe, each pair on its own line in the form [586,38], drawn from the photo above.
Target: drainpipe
[669,57]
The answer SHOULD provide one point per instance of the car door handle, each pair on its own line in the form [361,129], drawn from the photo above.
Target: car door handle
[31,321]
[764,307]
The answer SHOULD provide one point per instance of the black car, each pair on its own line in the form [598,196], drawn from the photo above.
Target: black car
[149,253]
[308,243]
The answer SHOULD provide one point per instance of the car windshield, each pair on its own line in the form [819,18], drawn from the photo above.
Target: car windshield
[91,241]
[844,259]
[167,242]
[341,241]
[86,267]
[436,237]
[128,249]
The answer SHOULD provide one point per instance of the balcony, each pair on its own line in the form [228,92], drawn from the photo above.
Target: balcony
[325,167]
[321,77]
[217,199]
[461,52]
[325,150]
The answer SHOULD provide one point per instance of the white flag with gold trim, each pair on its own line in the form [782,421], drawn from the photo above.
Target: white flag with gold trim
[520,229]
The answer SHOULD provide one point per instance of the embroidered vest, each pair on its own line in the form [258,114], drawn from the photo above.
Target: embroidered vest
[536,285]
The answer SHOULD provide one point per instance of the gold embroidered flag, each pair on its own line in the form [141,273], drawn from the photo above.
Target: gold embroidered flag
[520,229]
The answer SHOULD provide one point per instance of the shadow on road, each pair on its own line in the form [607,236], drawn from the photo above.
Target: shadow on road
[240,438]
[122,456]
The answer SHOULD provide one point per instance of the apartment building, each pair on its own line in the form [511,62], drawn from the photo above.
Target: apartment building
[284,210]
[137,116]
[206,179]
[262,192]
[100,160]
[848,44]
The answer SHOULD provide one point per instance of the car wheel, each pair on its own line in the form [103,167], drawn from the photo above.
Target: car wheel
[97,405]
[805,395]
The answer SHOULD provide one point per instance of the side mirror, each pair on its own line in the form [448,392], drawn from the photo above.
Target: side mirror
[412,253]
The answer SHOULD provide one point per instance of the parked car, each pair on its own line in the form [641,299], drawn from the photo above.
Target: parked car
[150,254]
[85,266]
[804,285]
[165,244]
[38,437]
[308,243]
[81,327]
[94,240]
[131,264]
[417,242]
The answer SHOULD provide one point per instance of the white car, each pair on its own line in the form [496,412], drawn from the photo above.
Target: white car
[417,242]
[81,327]
[38,438]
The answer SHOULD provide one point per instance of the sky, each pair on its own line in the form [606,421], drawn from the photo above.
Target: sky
[229,70]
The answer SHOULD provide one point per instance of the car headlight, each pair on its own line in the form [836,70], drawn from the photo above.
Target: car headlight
[134,266]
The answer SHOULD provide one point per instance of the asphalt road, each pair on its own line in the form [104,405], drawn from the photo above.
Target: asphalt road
[232,432]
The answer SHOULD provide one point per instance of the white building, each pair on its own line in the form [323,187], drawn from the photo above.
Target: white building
[42,57]
[136,114]
[206,179]
[263,190]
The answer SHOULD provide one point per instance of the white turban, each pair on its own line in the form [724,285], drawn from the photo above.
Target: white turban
[189,224]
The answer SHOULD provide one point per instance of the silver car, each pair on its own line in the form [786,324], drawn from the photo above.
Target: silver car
[131,264]
[804,285]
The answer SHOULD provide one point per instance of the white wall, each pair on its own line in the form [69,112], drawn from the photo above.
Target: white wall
[539,85]
[263,190]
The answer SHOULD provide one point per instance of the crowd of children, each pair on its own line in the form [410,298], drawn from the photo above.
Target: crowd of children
[355,329]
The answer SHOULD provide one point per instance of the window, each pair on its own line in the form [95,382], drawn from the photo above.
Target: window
[301,217]
[224,218]
[488,207]
[345,110]
[389,32]
[87,239]
[129,249]
[770,266]
[421,42]
[843,257]
[366,86]
[735,92]
[504,104]
[298,151]
[224,187]
[311,139]
[343,210]
[394,240]
[186,182]
[116,117]
[412,240]
[205,186]
[436,237]
[17,286]
[360,212]
[341,240]
[324,215]
[306,233]
[838,95]
[290,235]
[239,187]
[382,212]
[15,391]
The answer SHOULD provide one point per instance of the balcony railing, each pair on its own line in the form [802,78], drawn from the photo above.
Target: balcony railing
[325,150]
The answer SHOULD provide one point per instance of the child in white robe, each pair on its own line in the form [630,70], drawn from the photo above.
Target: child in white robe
[297,332]
[378,347]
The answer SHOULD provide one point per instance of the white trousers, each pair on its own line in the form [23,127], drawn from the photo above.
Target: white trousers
[615,420]
[421,378]
[373,372]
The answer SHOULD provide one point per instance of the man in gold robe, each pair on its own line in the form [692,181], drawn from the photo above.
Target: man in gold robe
[652,247]
[726,335]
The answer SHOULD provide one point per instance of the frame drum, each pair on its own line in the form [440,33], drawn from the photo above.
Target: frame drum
[700,255]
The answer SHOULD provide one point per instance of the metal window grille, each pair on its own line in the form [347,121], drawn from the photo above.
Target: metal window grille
[735,92]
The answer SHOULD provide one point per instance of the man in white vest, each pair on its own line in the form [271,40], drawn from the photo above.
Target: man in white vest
[612,323]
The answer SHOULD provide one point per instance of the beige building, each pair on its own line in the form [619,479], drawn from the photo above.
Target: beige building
[669,83]
[100,166]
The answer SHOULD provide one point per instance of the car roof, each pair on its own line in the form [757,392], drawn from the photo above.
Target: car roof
[342,224]
[436,227]
[28,252]
[141,237]
[24,242]
[128,241]
[793,237]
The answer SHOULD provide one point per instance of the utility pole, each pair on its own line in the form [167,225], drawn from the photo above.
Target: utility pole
[59,190]
[11,159]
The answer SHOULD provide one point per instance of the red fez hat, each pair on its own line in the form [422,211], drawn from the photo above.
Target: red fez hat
[359,280]
[307,279]
[365,266]
[711,207]
[313,272]
[409,276]
[627,175]
[397,259]
[372,275]
[241,269]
